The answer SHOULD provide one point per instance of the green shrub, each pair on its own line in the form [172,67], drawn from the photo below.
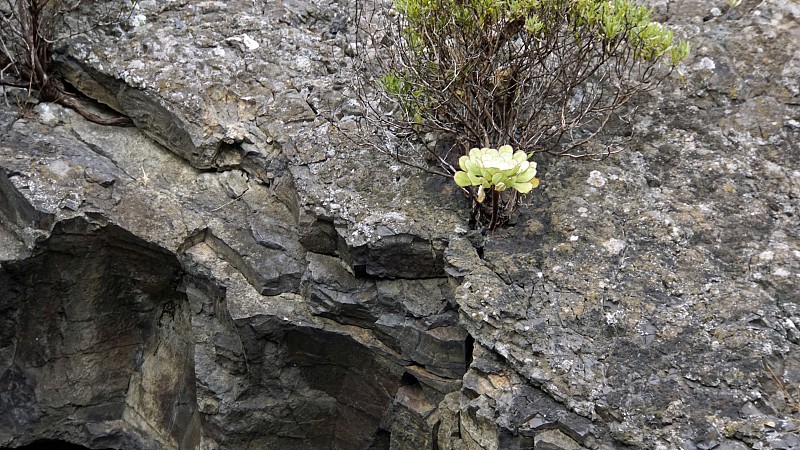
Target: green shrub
[538,75]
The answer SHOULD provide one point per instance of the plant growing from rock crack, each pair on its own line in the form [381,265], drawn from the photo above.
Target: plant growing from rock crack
[442,76]
[27,33]
[732,4]
[496,171]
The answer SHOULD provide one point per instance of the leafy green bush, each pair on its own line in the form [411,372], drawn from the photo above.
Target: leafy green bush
[538,75]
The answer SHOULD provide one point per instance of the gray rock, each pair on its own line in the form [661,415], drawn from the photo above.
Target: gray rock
[74,309]
[233,273]
[554,440]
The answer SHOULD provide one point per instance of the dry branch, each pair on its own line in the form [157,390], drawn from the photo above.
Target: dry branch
[28,29]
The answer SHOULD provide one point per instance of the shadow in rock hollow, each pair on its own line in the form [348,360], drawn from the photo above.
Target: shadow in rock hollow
[95,342]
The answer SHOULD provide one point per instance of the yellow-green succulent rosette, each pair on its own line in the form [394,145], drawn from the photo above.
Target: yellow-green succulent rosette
[500,169]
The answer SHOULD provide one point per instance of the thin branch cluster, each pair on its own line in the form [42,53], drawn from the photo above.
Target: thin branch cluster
[28,29]
[539,75]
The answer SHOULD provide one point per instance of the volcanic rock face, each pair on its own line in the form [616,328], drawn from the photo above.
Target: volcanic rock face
[151,305]
[233,273]
[97,340]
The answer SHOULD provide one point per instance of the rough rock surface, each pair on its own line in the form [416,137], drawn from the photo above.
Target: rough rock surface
[233,273]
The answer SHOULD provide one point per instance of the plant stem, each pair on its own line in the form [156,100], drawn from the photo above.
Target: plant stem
[495,208]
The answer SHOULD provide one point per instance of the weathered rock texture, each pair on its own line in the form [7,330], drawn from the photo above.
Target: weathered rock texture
[233,273]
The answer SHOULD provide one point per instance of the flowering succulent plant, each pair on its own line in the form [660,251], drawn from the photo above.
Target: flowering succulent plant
[497,169]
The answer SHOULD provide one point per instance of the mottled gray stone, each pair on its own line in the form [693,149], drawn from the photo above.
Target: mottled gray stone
[732,445]
[647,301]
[415,417]
[554,440]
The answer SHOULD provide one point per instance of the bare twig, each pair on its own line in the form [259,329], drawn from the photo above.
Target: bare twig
[27,32]
[793,402]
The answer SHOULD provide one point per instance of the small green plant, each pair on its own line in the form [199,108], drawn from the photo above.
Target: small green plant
[440,77]
[495,171]
[733,3]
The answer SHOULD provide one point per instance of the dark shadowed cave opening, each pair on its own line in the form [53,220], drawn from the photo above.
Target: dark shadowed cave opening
[105,313]
[93,330]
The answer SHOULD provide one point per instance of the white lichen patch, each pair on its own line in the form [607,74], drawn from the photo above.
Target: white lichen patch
[614,318]
[137,20]
[705,63]
[46,114]
[781,272]
[614,246]
[596,179]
